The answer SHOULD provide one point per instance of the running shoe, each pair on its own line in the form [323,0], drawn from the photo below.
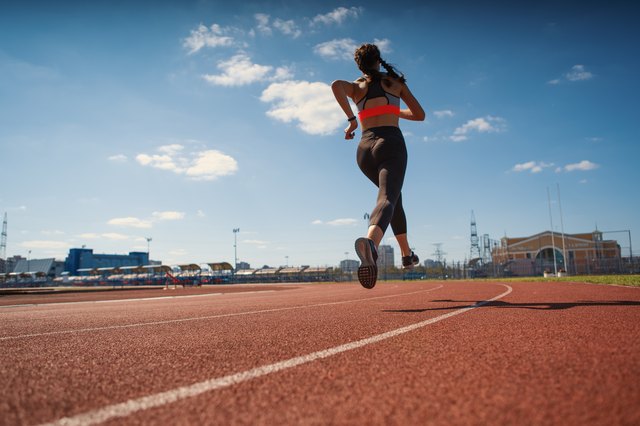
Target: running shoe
[408,262]
[368,270]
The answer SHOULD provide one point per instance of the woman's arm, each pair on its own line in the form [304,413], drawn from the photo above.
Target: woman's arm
[341,89]
[414,111]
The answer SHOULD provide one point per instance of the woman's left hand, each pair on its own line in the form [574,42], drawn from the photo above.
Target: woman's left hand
[349,131]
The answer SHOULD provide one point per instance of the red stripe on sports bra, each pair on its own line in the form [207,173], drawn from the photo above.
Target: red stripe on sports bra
[379,110]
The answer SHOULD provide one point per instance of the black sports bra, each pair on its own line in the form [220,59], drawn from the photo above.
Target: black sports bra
[375,90]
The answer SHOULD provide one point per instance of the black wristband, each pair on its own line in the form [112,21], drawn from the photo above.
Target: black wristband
[352,118]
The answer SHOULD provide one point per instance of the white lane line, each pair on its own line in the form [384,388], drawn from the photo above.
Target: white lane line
[179,320]
[163,398]
[109,301]
[143,299]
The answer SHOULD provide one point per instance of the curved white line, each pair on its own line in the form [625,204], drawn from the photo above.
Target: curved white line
[137,299]
[179,320]
[163,398]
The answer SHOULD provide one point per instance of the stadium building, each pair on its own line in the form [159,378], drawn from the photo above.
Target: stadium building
[85,259]
[550,251]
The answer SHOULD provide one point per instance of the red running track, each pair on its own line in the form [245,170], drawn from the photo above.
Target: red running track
[403,353]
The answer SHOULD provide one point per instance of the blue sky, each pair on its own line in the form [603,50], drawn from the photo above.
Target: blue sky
[181,121]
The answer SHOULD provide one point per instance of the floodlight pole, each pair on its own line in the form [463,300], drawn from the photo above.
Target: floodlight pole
[235,247]
[564,251]
[553,244]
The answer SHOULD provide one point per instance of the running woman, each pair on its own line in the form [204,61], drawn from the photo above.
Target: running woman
[382,154]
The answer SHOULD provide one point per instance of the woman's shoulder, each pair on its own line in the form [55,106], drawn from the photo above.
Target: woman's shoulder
[392,79]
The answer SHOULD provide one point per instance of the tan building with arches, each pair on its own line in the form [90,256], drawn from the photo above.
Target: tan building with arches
[574,253]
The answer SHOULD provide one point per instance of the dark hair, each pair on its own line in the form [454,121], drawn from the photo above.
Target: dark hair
[366,57]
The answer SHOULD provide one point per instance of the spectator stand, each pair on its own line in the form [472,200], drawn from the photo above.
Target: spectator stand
[87,277]
[157,274]
[318,273]
[245,275]
[292,274]
[106,275]
[189,274]
[133,275]
[217,273]
[268,275]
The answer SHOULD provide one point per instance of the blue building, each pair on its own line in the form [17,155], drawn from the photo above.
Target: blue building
[83,258]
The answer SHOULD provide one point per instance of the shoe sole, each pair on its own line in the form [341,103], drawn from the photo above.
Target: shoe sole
[368,270]
[411,265]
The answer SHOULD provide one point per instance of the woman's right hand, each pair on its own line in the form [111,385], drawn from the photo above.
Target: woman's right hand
[349,132]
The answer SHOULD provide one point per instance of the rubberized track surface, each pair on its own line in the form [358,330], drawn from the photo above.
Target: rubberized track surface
[403,353]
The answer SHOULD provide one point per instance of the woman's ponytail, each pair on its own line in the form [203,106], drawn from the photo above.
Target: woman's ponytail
[391,71]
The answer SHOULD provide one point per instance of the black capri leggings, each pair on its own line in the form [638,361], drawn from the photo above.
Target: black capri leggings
[382,157]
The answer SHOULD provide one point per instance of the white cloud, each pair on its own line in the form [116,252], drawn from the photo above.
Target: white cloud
[134,222]
[45,245]
[130,222]
[282,74]
[344,48]
[310,104]
[584,165]
[486,124]
[52,232]
[178,252]
[169,215]
[89,236]
[211,164]
[199,165]
[337,49]
[336,222]
[532,166]
[213,36]
[443,113]
[256,242]
[263,23]
[115,236]
[288,28]
[200,213]
[384,45]
[240,71]
[265,26]
[119,158]
[171,149]
[578,73]
[342,222]
[337,16]
[164,162]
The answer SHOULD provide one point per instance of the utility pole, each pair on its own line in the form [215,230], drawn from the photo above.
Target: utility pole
[475,246]
[439,254]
